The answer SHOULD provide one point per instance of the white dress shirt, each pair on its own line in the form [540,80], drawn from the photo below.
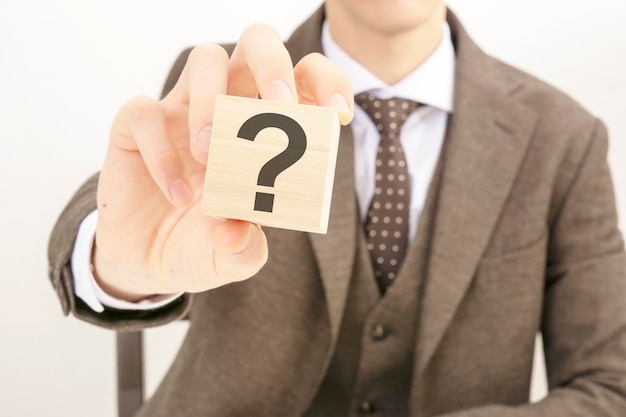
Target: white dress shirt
[422,136]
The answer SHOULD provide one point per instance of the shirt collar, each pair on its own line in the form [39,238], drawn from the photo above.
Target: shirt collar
[432,83]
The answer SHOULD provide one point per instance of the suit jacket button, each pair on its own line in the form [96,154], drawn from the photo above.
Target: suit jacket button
[379,332]
[367,407]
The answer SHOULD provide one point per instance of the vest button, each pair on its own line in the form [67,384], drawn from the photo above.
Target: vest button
[379,332]
[367,407]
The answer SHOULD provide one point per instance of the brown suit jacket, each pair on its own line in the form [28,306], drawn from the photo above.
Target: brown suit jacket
[525,240]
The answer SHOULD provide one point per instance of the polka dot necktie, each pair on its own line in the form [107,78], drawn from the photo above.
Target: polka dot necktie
[387,222]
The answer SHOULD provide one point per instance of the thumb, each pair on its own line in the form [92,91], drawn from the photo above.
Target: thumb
[240,250]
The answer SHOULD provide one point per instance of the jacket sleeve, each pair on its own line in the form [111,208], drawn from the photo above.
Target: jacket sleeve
[584,318]
[61,245]
[64,235]
[60,249]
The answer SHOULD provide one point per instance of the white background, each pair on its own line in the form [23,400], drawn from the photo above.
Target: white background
[66,66]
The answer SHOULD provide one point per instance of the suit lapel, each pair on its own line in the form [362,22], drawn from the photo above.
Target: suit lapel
[335,251]
[486,142]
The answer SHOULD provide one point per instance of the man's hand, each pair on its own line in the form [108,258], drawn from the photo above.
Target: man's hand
[152,237]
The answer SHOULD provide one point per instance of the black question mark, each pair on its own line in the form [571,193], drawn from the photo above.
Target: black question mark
[294,151]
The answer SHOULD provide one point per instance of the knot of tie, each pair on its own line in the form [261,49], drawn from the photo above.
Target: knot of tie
[388,115]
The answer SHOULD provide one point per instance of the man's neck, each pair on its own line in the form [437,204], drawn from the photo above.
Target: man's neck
[390,55]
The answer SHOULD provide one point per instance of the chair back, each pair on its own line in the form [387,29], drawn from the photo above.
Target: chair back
[130,386]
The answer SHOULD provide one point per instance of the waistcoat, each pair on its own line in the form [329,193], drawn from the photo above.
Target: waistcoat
[372,366]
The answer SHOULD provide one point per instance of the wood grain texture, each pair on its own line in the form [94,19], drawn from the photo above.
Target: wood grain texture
[302,191]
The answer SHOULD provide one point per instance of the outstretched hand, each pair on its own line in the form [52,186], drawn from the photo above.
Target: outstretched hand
[152,237]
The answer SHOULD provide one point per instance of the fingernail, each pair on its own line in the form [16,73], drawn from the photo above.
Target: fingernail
[180,192]
[203,139]
[246,243]
[339,103]
[279,90]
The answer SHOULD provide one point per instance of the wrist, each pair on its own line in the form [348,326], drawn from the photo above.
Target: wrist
[118,282]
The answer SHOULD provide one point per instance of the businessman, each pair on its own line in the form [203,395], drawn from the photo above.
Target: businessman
[472,207]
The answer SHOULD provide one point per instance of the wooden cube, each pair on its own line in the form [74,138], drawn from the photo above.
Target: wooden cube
[271,163]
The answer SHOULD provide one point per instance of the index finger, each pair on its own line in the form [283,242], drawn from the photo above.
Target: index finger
[204,77]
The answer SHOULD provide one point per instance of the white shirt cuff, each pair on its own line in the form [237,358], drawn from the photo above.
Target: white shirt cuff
[85,286]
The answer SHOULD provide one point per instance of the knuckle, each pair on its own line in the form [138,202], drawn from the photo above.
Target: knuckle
[164,157]
[165,163]
[136,111]
[208,50]
[316,63]
[141,108]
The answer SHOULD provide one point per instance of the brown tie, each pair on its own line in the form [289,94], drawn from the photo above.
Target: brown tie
[387,223]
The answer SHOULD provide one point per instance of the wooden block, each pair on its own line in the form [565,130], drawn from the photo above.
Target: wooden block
[271,163]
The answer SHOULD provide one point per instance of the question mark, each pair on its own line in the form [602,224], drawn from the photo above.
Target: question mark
[294,151]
